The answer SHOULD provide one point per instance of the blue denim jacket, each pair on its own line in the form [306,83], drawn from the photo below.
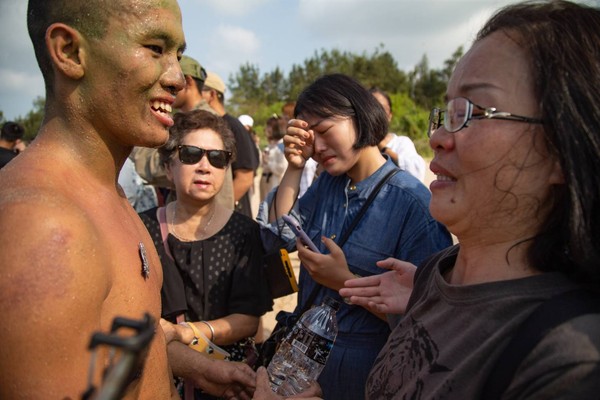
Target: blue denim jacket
[397,224]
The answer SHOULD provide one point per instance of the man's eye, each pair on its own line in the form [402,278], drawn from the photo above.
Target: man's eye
[155,48]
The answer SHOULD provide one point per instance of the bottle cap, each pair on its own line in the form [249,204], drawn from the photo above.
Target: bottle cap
[331,302]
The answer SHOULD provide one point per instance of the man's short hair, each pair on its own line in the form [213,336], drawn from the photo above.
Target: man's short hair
[11,132]
[90,17]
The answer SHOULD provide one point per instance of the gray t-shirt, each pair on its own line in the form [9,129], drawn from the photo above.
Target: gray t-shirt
[449,339]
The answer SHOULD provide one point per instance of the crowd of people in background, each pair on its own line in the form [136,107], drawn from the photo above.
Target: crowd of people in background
[143,197]
[11,142]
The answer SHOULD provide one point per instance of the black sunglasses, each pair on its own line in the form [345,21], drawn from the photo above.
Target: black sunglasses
[191,155]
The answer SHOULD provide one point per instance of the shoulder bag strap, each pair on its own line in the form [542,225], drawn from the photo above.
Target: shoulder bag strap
[161,215]
[365,206]
[313,294]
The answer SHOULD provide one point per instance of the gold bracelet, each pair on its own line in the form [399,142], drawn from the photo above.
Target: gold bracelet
[212,330]
[196,333]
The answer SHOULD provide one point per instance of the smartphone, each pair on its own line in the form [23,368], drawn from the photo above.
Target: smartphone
[297,229]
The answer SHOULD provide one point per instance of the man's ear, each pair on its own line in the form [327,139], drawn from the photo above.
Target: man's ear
[64,48]
[189,82]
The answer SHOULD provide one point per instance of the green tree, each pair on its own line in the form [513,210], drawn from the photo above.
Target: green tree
[427,86]
[245,88]
[274,87]
[450,64]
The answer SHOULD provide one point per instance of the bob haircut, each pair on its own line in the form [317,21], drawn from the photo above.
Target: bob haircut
[186,122]
[339,95]
[563,43]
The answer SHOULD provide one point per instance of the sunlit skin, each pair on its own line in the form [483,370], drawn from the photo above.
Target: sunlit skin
[73,263]
[135,68]
[492,179]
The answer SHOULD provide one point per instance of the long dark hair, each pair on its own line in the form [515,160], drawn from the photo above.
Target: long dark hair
[563,42]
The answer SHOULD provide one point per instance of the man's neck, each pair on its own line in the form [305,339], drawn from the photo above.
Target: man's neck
[218,107]
[6,144]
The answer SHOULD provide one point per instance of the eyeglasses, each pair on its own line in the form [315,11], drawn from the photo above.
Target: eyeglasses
[190,155]
[459,112]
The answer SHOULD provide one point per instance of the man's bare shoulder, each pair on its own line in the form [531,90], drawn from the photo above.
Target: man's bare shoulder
[52,286]
[44,235]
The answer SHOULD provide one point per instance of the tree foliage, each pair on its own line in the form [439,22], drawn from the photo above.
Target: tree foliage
[413,93]
[261,95]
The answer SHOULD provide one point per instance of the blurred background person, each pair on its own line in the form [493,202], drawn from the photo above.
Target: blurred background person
[248,123]
[140,194]
[246,163]
[401,149]
[254,192]
[190,98]
[212,256]
[274,162]
[11,143]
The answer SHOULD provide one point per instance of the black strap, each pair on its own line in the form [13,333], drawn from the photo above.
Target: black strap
[548,315]
[363,209]
[313,294]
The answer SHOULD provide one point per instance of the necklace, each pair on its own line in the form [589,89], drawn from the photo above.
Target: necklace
[202,231]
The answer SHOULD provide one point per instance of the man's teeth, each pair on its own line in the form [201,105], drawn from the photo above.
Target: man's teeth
[160,106]
[444,178]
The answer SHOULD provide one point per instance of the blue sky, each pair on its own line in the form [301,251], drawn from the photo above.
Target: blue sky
[224,34]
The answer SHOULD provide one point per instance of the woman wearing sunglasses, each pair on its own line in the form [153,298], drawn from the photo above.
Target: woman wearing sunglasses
[212,256]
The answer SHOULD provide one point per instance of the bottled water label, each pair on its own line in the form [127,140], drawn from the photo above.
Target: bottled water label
[312,345]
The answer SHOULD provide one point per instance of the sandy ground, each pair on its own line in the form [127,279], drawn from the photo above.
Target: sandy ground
[288,303]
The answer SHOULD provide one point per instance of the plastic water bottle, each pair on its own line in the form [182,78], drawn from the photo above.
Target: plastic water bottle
[301,357]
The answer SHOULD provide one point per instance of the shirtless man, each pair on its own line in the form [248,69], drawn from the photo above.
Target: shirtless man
[70,245]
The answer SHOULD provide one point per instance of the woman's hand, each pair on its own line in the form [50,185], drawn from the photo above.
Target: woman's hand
[386,293]
[178,332]
[330,270]
[299,143]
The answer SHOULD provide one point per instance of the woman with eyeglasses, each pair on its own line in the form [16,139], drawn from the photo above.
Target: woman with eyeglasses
[212,257]
[517,155]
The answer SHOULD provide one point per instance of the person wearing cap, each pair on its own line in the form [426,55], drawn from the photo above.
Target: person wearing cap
[147,161]
[10,138]
[247,121]
[190,98]
[247,161]
[254,192]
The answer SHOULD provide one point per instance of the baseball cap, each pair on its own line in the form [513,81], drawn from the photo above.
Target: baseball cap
[214,82]
[191,67]
[246,120]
